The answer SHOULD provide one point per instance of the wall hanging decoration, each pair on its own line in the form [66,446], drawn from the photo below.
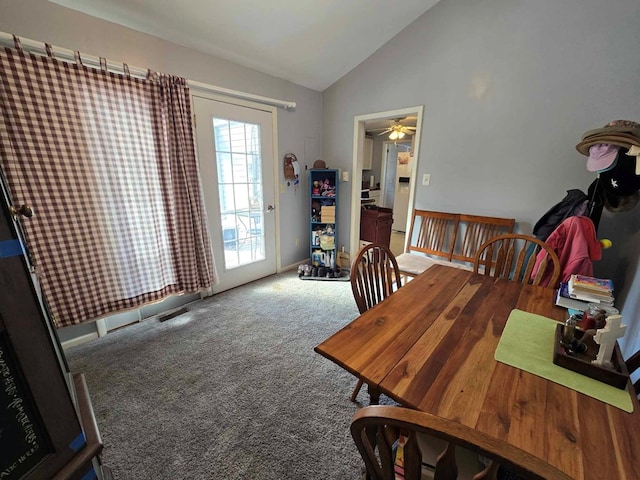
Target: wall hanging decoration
[291,169]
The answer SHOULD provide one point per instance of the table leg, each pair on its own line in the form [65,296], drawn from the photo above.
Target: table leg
[374,395]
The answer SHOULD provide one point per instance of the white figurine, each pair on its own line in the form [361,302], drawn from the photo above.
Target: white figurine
[606,337]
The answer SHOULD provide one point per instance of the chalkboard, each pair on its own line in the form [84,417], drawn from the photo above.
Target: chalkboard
[23,442]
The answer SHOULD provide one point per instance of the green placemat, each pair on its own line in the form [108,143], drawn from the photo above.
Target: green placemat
[527,343]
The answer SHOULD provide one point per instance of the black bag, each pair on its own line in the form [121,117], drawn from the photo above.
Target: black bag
[575,203]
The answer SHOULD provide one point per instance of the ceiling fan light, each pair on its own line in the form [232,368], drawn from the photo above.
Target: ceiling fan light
[400,135]
[394,135]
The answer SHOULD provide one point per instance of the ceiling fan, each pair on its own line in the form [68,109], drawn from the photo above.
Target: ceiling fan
[397,131]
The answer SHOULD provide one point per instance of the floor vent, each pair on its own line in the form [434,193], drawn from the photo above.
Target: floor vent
[173,314]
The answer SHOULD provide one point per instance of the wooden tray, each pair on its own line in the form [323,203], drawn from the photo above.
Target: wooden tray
[581,363]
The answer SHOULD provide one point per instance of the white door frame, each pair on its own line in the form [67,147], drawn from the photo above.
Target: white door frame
[359,122]
[276,164]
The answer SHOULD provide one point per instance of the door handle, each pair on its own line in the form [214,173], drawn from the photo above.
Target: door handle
[270,208]
[24,210]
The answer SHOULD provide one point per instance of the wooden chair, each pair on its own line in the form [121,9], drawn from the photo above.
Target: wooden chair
[475,230]
[499,258]
[375,430]
[435,237]
[633,363]
[374,276]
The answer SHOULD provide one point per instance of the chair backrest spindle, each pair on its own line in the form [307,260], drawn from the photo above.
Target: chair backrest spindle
[477,230]
[500,258]
[436,234]
[374,276]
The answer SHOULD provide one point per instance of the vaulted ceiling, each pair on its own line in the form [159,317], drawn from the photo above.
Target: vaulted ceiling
[312,43]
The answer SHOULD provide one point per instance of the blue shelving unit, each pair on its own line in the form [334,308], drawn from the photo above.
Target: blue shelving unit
[323,211]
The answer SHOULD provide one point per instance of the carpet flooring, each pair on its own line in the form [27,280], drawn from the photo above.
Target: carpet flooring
[230,390]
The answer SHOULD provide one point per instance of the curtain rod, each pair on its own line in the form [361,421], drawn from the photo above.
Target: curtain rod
[34,46]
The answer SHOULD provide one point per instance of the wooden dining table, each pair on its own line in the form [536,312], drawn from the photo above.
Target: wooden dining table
[430,346]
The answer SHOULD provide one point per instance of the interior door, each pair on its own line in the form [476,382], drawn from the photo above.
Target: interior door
[236,159]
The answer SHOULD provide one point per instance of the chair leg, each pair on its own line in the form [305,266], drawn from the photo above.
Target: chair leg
[356,390]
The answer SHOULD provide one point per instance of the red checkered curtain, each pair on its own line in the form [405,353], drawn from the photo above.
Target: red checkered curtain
[107,162]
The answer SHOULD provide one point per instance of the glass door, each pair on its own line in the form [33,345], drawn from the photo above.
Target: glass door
[235,152]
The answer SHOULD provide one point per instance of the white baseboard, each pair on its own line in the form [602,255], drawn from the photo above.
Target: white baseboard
[293,266]
[74,342]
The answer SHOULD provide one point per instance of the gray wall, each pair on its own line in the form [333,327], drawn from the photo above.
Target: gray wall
[552,70]
[299,132]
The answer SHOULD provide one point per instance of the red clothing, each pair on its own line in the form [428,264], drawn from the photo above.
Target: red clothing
[576,245]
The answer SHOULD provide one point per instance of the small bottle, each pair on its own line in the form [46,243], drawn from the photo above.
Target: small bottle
[569,330]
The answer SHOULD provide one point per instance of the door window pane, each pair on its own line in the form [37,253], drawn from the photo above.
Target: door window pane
[239,165]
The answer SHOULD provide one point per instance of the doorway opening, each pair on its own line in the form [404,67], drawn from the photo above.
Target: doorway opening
[394,193]
[395,174]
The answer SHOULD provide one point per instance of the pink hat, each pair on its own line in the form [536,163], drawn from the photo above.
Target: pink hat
[602,157]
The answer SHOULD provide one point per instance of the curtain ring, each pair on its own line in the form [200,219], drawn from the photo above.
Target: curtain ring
[103,64]
[125,68]
[76,54]
[49,49]
[16,42]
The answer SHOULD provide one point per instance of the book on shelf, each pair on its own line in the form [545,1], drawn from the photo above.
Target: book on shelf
[587,284]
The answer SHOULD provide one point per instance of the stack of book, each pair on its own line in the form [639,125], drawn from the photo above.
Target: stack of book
[590,289]
[563,299]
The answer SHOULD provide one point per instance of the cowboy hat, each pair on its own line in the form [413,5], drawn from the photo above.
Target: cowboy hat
[623,133]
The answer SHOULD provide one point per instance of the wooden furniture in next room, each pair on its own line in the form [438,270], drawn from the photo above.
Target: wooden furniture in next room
[375,225]
[430,346]
[374,276]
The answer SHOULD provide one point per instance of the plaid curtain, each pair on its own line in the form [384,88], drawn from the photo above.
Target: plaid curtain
[107,162]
